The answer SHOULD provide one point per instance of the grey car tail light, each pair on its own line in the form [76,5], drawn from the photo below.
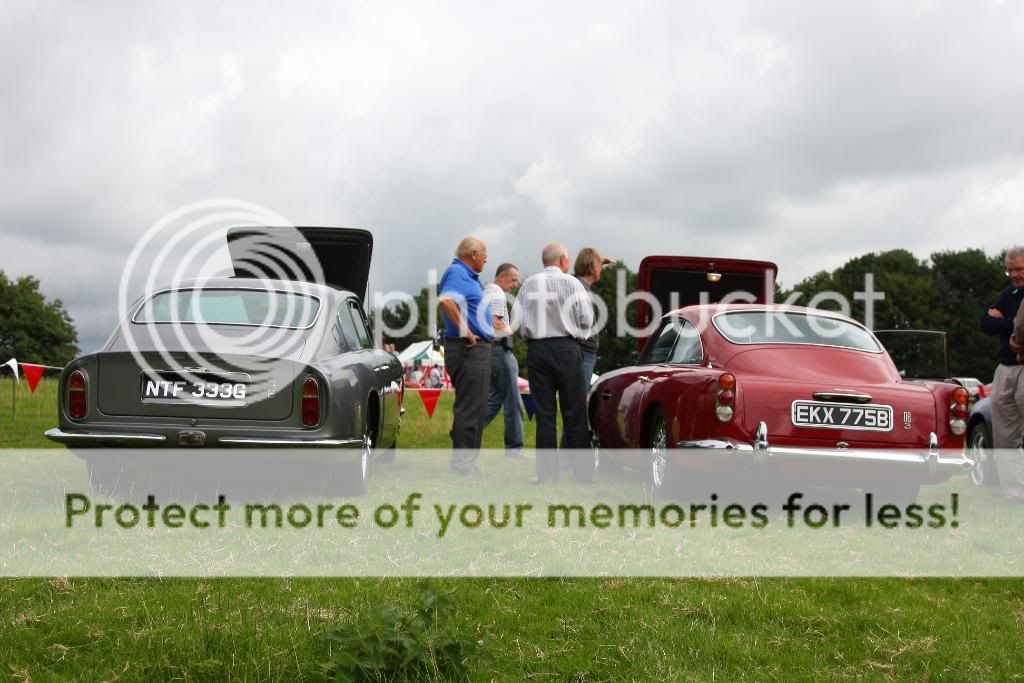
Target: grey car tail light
[310,402]
[78,403]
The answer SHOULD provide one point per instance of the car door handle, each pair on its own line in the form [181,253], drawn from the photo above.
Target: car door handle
[645,379]
[606,395]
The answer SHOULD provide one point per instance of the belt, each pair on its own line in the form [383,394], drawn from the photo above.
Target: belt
[479,340]
[544,339]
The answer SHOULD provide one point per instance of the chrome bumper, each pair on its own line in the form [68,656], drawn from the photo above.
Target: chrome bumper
[289,443]
[88,438]
[104,438]
[932,461]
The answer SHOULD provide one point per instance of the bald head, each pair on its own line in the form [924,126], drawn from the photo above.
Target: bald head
[555,254]
[467,246]
[472,252]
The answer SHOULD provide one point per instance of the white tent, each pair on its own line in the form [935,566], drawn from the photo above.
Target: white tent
[420,353]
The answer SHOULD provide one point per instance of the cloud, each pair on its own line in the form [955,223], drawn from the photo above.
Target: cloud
[801,132]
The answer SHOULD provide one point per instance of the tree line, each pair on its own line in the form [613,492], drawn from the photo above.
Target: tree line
[33,329]
[949,292]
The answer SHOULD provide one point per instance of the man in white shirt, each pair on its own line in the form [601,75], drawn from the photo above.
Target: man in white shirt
[553,313]
[504,367]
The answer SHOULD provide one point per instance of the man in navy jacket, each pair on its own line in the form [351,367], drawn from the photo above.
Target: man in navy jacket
[1008,383]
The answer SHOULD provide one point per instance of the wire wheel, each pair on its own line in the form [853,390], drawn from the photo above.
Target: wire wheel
[979,449]
[659,447]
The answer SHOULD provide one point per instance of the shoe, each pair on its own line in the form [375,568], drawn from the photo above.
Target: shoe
[517,454]
[538,481]
[470,470]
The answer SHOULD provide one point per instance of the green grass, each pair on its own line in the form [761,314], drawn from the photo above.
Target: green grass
[529,629]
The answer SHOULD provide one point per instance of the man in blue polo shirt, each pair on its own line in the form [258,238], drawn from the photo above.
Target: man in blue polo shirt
[468,332]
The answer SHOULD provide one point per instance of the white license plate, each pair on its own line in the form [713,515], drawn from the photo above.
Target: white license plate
[195,389]
[866,417]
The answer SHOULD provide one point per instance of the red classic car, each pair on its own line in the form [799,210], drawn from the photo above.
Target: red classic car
[805,393]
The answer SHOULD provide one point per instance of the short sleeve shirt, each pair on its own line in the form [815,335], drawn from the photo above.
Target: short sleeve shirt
[462,285]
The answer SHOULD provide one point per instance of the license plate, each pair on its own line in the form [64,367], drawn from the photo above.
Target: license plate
[874,418]
[169,388]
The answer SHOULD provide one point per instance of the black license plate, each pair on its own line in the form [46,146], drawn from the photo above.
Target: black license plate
[169,388]
[874,418]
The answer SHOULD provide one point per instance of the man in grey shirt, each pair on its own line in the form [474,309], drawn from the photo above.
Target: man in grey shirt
[553,313]
[504,367]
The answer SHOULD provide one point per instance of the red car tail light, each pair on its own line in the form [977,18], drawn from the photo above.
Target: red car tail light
[310,402]
[78,403]
[958,411]
[725,398]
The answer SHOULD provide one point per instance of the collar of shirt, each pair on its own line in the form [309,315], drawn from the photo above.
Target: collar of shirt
[459,262]
[553,269]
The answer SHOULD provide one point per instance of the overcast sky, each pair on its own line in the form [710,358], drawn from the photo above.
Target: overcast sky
[800,132]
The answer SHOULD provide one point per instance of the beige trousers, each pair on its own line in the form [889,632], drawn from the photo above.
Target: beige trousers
[1008,427]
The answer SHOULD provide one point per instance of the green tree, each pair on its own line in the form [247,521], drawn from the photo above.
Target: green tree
[949,293]
[33,329]
[615,351]
[966,284]
[397,315]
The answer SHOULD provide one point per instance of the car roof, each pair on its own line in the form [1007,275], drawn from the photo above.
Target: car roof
[705,310]
[293,286]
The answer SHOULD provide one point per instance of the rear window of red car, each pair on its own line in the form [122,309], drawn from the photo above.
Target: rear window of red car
[791,327]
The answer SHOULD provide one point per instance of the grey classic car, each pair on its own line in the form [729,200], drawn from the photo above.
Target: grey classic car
[280,354]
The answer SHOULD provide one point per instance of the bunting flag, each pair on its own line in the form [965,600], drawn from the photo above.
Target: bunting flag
[528,404]
[13,365]
[429,398]
[32,374]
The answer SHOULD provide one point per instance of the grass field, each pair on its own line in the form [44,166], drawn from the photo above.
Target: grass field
[527,629]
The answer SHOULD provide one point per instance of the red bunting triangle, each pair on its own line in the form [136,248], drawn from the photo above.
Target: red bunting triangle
[429,398]
[32,374]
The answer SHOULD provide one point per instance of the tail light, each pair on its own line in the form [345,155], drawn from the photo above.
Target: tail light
[725,399]
[310,402]
[78,402]
[958,411]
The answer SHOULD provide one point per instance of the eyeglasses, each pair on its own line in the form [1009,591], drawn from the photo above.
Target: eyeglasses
[1011,271]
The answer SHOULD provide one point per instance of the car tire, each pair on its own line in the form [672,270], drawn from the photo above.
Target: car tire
[387,456]
[979,449]
[351,476]
[603,461]
[659,471]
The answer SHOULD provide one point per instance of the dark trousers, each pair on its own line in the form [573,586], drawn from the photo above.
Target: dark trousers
[470,370]
[555,367]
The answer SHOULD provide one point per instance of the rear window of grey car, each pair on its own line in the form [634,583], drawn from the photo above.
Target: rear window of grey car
[256,307]
[790,327]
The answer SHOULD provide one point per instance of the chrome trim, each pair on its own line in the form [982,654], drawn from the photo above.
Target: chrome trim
[308,443]
[822,314]
[72,438]
[840,395]
[135,313]
[761,451]
[700,340]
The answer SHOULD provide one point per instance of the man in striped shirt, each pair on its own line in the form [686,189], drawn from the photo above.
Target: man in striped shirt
[553,313]
[504,367]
